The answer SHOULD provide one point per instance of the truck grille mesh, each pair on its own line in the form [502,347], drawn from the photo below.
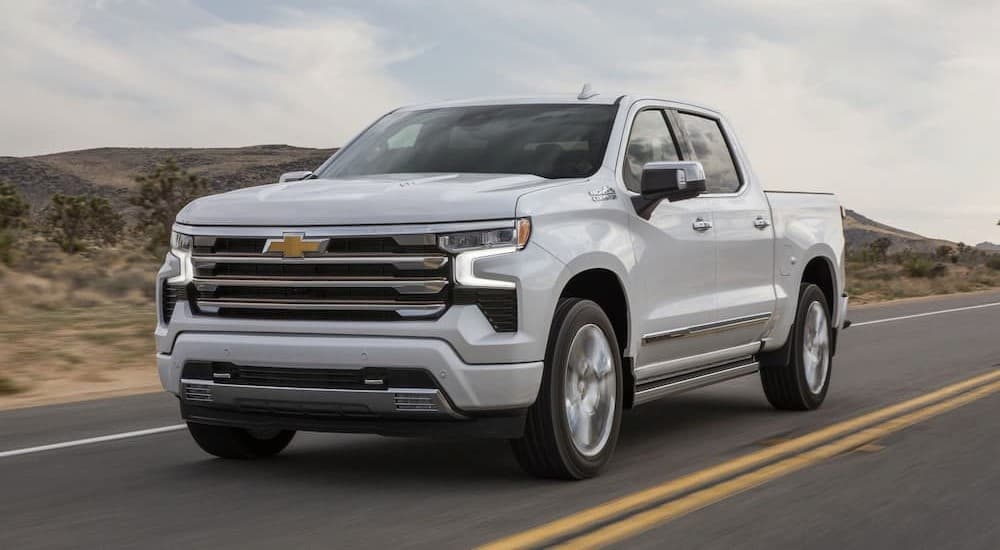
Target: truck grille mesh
[364,278]
[298,377]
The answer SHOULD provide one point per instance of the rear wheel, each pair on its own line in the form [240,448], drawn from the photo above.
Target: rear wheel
[572,428]
[801,382]
[240,443]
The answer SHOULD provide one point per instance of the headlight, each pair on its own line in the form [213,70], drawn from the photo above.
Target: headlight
[470,246]
[180,242]
[181,246]
[515,235]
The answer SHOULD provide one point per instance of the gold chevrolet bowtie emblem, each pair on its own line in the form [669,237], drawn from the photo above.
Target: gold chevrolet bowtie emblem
[294,245]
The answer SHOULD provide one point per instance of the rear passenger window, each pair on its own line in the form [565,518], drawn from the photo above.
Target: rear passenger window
[710,149]
[649,141]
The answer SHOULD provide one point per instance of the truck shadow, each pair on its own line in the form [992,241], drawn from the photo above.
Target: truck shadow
[366,461]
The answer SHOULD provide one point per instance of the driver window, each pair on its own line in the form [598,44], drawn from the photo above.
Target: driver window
[649,141]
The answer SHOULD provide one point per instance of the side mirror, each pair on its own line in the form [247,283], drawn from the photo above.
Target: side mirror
[673,181]
[296,176]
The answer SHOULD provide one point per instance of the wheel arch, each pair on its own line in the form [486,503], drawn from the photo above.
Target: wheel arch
[819,271]
[605,288]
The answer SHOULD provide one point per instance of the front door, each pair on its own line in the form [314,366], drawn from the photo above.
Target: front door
[675,250]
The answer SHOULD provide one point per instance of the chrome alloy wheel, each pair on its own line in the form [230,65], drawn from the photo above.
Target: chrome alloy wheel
[816,347]
[590,386]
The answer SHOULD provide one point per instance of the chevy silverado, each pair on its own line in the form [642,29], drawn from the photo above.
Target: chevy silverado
[522,268]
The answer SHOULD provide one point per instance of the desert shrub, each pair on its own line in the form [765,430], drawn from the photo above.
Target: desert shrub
[13,207]
[161,194]
[944,251]
[922,266]
[993,262]
[72,221]
[13,215]
[8,386]
[879,247]
[939,270]
[7,241]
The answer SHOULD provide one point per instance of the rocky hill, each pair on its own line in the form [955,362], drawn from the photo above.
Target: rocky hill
[860,231]
[110,171]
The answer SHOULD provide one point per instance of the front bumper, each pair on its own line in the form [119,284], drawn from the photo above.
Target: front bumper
[462,389]
[509,425]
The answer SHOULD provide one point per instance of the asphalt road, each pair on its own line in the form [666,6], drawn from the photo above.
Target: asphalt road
[930,485]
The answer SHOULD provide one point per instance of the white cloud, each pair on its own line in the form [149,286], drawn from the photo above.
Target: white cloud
[890,103]
[172,74]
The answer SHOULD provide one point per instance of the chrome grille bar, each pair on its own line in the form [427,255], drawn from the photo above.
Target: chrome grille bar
[357,277]
[402,286]
[399,261]
[402,308]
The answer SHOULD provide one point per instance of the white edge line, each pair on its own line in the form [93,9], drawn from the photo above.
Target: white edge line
[927,314]
[91,440]
[175,427]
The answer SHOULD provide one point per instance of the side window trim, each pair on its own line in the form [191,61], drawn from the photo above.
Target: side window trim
[669,120]
[688,149]
[675,135]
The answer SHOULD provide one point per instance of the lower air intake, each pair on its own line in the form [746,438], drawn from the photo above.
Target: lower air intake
[415,402]
[196,392]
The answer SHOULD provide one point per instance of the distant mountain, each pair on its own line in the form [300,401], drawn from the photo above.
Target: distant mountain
[988,246]
[861,230]
[110,171]
[39,180]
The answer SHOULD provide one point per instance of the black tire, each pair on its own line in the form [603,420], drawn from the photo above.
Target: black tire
[785,383]
[546,449]
[239,443]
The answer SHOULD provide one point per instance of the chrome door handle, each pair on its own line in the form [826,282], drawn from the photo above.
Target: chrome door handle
[761,223]
[701,224]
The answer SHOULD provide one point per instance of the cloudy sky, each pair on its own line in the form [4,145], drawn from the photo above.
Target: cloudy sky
[893,104]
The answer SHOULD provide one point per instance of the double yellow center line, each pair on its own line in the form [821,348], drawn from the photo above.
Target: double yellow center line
[632,514]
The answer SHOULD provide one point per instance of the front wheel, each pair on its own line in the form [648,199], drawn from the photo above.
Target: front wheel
[226,442]
[572,428]
[802,381]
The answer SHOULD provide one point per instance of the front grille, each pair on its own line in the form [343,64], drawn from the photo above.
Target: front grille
[362,278]
[370,378]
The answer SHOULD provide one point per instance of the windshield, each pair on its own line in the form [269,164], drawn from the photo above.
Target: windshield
[552,141]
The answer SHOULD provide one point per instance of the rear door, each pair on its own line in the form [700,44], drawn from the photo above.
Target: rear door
[675,250]
[744,235]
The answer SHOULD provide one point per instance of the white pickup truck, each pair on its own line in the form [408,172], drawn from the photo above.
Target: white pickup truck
[521,268]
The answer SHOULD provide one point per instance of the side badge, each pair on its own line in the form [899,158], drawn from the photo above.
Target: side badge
[603,194]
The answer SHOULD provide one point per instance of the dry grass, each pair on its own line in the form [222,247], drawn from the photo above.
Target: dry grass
[74,327]
[880,282]
[74,351]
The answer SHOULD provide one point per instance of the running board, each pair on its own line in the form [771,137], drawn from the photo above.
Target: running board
[654,390]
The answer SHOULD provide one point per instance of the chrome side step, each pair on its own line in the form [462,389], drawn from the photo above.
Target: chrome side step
[650,391]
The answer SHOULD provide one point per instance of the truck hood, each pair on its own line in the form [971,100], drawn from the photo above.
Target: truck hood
[382,199]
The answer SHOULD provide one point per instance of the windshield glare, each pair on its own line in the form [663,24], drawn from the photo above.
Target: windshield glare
[551,141]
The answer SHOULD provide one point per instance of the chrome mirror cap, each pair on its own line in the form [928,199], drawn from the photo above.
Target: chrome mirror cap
[296,176]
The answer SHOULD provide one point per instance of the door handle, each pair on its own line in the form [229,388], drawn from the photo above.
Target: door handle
[701,224]
[761,223]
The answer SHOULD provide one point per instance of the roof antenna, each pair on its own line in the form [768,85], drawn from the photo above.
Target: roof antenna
[587,92]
